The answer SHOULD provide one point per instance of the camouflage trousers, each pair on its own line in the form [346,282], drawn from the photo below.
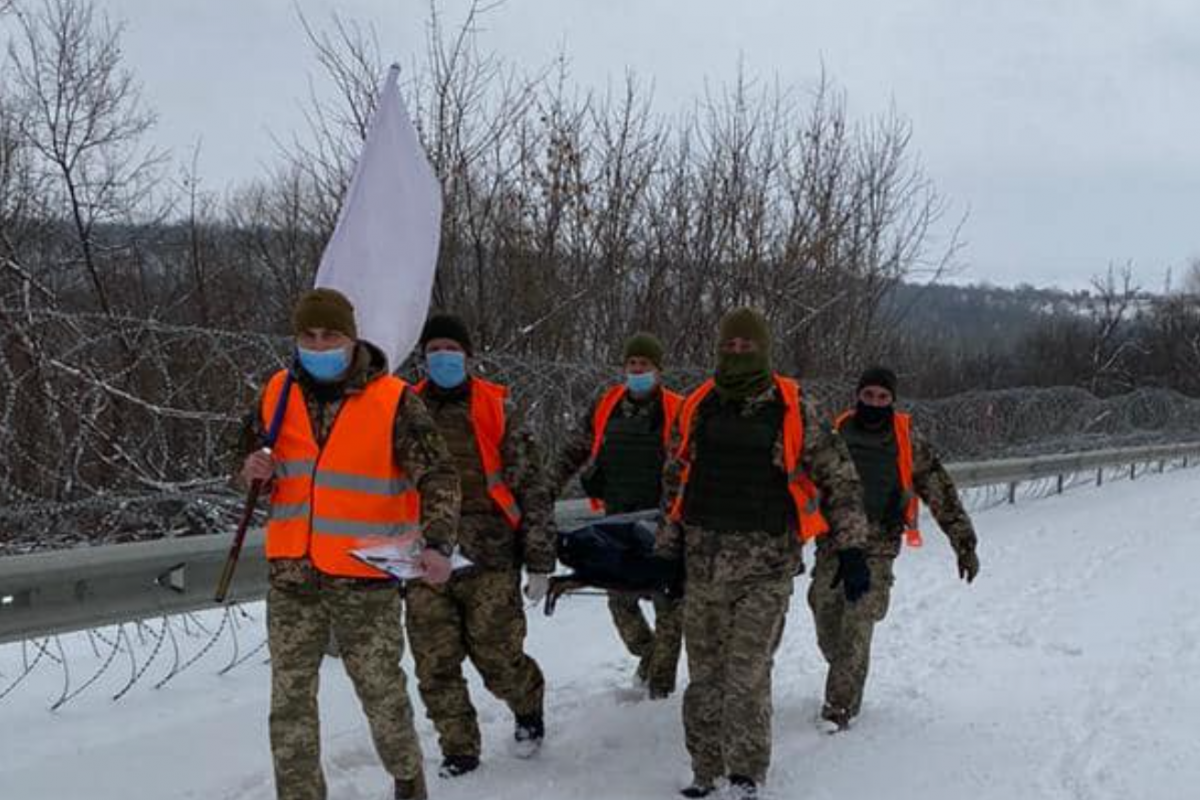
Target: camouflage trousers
[477,615]
[731,630]
[844,629]
[658,647]
[365,620]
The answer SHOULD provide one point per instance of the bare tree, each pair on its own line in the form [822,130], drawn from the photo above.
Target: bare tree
[87,123]
[1112,311]
[199,219]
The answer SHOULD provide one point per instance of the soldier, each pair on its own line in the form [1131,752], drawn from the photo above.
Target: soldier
[507,520]
[747,463]
[620,443]
[897,466]
[334,489]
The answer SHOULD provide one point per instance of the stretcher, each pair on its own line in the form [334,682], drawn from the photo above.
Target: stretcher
[614,554]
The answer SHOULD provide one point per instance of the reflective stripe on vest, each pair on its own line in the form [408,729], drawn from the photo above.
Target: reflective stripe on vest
[349,494]
[671,401]
[803,491]
[909,502]
[488,423]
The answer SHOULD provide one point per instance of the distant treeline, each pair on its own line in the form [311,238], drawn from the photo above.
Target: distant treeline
[1109,339]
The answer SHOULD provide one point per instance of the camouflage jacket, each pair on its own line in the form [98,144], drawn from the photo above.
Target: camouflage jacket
[754,555]
[418,447]
[935,487]
[933,484]
[485,537]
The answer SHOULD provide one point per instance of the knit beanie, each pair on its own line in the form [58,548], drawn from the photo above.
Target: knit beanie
[324,308]
[645,345]
[878,376]
[447,326]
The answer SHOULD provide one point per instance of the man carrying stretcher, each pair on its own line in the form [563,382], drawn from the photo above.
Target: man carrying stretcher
[619,445]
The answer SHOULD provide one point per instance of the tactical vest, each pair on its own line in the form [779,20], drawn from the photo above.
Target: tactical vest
[874,455]
[735,484]
[803,492]
[902,468]
[636,488]
[631,461]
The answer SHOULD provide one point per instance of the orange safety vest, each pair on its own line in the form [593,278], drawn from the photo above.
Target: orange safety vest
[487,420]
[348,494]
[902,424]
[803,491]
[671,401]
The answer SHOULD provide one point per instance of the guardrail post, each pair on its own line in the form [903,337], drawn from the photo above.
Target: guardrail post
[1060,484]
[1012,492]
[1133,471]
[1162,465]
[1100,476]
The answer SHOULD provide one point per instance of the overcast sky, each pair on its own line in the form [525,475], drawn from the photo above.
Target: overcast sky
[1068,129]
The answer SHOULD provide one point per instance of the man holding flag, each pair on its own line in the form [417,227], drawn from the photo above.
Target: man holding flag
[352,459]
[356,461]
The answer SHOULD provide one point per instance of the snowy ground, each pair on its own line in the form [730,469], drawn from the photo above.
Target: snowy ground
[1069,670]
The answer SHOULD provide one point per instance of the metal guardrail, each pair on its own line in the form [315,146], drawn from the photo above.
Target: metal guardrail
[57,592]
[43,594]
[1014,471]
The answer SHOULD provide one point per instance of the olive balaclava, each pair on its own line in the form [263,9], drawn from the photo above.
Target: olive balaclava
[743,375]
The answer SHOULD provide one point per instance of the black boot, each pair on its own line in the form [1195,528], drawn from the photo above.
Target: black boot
[837,718]
[698,790]
[742,788]
[529,733]
[453,766]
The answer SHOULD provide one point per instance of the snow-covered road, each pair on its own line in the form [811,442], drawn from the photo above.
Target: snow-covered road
[1071,669]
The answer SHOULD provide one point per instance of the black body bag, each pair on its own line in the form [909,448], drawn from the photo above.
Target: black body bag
[617,553]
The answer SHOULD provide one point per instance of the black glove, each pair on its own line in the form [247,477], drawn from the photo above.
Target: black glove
[852,573]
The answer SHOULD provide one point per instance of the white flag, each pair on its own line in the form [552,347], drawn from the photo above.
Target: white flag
[383,252]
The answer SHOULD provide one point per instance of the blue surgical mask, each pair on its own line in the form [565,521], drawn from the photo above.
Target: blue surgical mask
[325,366]
[640,383]
[446,368]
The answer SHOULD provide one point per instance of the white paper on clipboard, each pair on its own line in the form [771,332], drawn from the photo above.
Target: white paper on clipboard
[402,561]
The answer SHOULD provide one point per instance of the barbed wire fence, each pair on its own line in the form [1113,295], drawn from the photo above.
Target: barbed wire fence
[150,653]
[117,429]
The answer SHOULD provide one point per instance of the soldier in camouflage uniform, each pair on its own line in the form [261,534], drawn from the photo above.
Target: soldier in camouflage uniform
[305,603]
[732,489]
[622,472]
[507,522]
[875,438]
